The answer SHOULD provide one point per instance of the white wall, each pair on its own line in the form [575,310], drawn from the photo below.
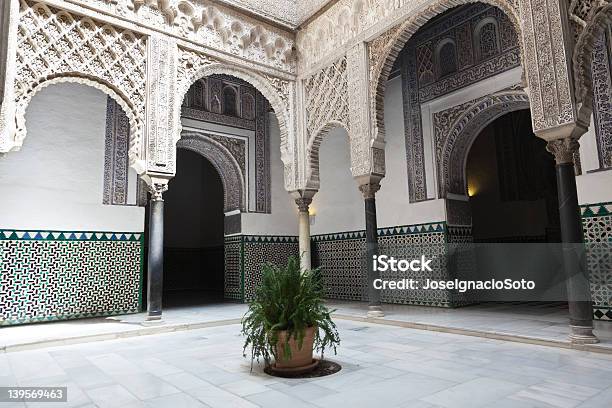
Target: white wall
[338,205]
[283,220]
[56,180]
[393,206]
[592,187]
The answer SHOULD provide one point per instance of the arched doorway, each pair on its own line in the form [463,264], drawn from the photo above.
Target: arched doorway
[193,234]
[511,183]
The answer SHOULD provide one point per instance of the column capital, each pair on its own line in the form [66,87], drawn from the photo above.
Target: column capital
[563,149]
[157,189]
[303,203]
[369,190]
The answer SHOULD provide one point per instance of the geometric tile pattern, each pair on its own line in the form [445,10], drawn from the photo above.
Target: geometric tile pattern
[342,265]
[233,282]
[597,228]
[244,257]
[53,275]
[259,250]
[341,257]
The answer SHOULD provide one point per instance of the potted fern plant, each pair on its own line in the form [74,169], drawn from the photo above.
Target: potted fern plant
[287,319]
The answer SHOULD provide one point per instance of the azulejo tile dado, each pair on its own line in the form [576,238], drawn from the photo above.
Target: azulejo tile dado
[246,254]
[13,234]
[597,230]
[58,275]
[388,231]
[341,258]
[596,210]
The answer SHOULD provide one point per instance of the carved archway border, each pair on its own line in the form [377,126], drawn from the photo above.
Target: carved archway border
[49,45]
[312,152]
[384,50]
[464,130]
[583,53]
[135,122]
[194,66]
[234,190]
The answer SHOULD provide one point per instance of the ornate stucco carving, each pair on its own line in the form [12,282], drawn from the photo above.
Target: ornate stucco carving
[228,157]
[53,46]
[116,162]
[383,51]
[547,65]
[210,24]
[279,92]
[456,128]
[563,149]
[348,21]
[602,103]
[326,103]
[589,19]
[162,99]
[421,80]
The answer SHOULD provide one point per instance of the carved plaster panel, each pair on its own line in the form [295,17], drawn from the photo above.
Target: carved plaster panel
[227,155]
[161,105]
[602,96]
[280,94]
[342,24]
[547,65]
[588,18]
[421,81]
[211,25]
[326,98]
[116,161]
[456,128]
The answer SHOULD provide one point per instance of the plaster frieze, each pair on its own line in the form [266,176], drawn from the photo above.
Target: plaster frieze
[209,24]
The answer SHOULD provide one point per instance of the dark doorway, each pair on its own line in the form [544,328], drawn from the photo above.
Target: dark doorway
[193,233]
[512,184]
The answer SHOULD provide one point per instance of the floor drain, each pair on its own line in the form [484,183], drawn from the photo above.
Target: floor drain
[325,367]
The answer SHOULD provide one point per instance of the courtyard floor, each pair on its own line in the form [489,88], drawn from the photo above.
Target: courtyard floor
[383,366]
[545,324]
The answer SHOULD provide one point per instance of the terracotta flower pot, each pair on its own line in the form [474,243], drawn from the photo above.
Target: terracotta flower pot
[299,357]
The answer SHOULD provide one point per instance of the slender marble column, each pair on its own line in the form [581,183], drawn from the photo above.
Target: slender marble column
[304,231]
[578,285]
[156,253]
[369,192]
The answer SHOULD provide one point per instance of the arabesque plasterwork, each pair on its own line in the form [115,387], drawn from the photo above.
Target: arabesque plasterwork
[54,46]
[145,54]
[209,24]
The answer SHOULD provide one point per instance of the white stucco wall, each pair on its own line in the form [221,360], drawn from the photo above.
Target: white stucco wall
[593,186]
[283,219]
[56,180]
[393,206]
[338,206]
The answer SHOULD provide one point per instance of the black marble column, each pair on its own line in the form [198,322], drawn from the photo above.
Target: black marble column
[578,285]
[369,193]
[156,256]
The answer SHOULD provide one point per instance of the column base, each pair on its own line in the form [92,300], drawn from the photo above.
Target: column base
[375,312]
[154,317]
[582,335]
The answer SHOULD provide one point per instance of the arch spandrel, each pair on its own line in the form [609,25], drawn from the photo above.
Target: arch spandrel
[53,46]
